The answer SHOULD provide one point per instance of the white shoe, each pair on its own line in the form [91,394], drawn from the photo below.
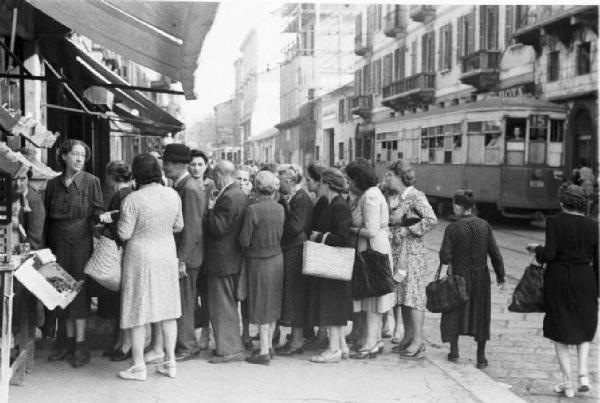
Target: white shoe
[566,388]
[153,358]
[168,368]
[584,383]
[134,373]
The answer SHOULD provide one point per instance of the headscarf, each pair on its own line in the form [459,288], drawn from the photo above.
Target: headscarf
[335,179]
[572,197]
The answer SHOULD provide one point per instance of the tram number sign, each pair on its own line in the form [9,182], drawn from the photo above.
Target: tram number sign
[536,184]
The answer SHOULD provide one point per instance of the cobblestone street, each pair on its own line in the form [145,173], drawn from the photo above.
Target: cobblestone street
[518,353]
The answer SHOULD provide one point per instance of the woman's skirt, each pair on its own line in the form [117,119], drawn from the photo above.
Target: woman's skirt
[265,289]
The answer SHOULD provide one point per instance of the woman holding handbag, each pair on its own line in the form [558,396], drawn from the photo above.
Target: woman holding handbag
[370,224]
[411,217]
[466,246]
[330,301]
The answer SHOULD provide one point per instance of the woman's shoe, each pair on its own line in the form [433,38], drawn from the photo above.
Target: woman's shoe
[413,354]
[566,388]
[327,357]
[168,368]
[362,354]
[119,355]
[584,383]
[482,364]
[452,357]
[401,346]
[289,351]
[134,373]
[345,353]
[379,346]
[152,357]
[263,359]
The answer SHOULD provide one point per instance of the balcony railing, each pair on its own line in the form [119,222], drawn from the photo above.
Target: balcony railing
[395,22]
[361,105]
[481,70]
[421,13]
[362,44]
[414,90]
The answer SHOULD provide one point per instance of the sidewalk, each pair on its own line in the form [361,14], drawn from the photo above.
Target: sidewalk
[386,378]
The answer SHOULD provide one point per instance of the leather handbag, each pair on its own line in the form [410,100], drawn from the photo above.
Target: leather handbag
[104,266]
[372,275]
[332,262]
[446,294]
[529,292]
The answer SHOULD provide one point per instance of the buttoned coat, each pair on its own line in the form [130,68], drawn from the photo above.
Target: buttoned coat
[223,225]
[190,241]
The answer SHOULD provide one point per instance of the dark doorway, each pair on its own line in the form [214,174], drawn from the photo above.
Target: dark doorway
[331,144]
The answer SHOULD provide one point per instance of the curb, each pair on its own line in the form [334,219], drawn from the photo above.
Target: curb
[478,383]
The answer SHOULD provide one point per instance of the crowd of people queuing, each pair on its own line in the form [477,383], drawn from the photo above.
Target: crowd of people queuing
[203,243]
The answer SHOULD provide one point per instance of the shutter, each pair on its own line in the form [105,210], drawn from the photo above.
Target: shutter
[441,50]
[471,34]
[449,47]
[413,56]
[482,27]
[494,31]
[402,71]
[424,53]
[431,53]
[357,82]
[460,21]
[508,24]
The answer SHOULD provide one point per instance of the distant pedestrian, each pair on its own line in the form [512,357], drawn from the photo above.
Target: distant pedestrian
[465,248]
[408,249]
[260,238]
[570,284]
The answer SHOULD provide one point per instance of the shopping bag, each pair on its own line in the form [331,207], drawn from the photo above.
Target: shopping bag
[104,266]
[372,275]
[332,262]
[446,294]
[529,293]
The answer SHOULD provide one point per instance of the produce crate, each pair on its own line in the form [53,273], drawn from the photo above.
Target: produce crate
[36,279]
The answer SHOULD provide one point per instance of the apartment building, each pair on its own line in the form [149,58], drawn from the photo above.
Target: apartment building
[317,58]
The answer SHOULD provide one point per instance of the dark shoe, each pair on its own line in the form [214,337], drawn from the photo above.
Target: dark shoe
[248,345]
[418,354]
[482,364]
[271,353]
[186,355]
[81,356]
[263,359]
[316,344]
[63,351]
[289,351]
[452,357]
[227,358]
[276,337]
[119,355]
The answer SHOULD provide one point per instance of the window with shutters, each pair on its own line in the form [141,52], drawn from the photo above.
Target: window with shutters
[399,63]
[378,16]
[515,17]
[377,76]
[583,58]
[413,58]
[341,111]
[488,27]
[465,44]
[428,52]
[350,150]
[358,82]
[445,49]
[366,79]
[553,66]
[387,70]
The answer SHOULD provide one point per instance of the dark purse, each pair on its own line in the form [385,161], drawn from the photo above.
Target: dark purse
[371,275]
[446,294]
[529,293]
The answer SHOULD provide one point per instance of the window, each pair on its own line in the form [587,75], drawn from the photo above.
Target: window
[340,151]
[555,146]
[377,76]
[538,131]
[556,130]
[413,58]
[399,63]
[583,58]
[358,82]
[428,52]
[516,17]
[441,144]
[387,70]
[378,16]
[553,66]
[465,44]
[341,111]
[488,27]
[366,80]
[445,58]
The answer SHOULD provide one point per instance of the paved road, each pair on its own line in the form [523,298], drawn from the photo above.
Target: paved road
[517,352]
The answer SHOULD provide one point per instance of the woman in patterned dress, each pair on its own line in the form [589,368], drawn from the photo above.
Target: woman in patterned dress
[407,206]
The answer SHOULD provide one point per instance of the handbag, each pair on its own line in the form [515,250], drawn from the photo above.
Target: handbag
[446,294]
[372,275]
[529,293]
[332,262]
[104,266]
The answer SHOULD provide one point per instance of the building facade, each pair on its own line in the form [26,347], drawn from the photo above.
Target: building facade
[226,125]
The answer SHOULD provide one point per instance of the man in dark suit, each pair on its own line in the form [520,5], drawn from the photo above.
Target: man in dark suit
[223,263]
[190,244]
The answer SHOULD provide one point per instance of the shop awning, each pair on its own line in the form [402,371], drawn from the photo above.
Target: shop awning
[166,37]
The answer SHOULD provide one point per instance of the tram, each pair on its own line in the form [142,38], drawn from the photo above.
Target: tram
[509,151]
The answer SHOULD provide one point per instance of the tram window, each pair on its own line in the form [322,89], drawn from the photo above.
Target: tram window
[439,142]
[555,146]
[492,139]
[474,127]
[423,132]
[517,134]
[431,142]
[458,141]
[447,157]
[395,145]
[556,130]
[424,142]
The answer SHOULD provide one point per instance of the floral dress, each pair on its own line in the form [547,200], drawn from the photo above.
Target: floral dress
[409,252]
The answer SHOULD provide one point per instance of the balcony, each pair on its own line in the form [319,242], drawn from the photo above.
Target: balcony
[558,21]
[480,70]
[361,105]
[395,23]
[417,90]
[421,13]
[362,44]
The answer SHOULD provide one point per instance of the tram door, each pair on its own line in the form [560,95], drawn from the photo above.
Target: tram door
[584,150]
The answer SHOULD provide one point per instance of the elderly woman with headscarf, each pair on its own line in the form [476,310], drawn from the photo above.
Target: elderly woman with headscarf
[261,239]
[330,301]
[570,284]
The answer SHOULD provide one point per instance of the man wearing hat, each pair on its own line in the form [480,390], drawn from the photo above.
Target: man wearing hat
[189,242]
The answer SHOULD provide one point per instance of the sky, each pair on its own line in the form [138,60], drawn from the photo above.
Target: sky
[215,74]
